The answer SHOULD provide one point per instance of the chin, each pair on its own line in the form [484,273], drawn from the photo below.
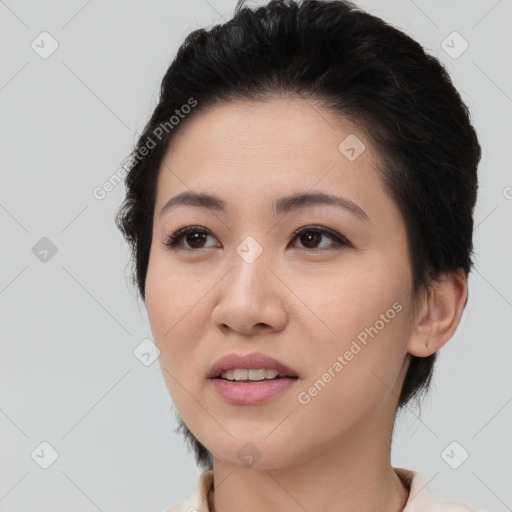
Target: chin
[246,454]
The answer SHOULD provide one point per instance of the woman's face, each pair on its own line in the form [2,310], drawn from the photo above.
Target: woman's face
[334,312]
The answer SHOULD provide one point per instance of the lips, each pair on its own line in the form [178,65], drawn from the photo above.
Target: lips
[248,361]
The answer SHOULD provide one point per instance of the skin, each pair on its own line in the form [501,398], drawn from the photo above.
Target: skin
[302,308]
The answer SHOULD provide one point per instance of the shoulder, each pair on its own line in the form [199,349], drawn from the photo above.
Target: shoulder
[420,500]
[197,502]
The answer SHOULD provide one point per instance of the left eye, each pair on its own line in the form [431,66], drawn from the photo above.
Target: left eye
[310,237]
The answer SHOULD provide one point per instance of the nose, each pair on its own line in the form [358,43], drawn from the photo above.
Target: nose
[251,299]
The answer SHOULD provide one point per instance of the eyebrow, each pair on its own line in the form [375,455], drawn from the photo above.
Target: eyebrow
[280,206]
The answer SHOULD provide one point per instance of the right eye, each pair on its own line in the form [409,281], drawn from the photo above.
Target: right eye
[194,236]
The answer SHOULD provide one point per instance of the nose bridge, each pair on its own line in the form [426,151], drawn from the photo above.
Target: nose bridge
[249,272]
[248,297]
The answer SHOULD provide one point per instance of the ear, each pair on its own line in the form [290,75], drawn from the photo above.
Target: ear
[439,314]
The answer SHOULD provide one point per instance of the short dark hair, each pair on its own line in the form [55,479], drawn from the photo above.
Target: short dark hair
[366,71]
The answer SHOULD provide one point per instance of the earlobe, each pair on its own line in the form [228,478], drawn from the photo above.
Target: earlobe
[439,314]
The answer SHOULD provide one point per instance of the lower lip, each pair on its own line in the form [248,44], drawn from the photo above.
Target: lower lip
[246,393]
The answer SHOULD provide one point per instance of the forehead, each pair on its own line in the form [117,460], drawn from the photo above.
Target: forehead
[275,122]
[269,140]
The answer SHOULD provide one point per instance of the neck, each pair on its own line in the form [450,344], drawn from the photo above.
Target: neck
[348,476]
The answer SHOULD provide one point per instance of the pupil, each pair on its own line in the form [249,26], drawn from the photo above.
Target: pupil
[195,236]
[310,235]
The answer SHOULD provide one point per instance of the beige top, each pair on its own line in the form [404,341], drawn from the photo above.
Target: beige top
[419,500]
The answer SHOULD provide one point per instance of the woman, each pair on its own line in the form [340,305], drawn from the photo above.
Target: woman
[299,209]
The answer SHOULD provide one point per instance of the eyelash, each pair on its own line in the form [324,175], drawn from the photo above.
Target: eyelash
[173,239]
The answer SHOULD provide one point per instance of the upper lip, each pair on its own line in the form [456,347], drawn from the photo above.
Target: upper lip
[254,360]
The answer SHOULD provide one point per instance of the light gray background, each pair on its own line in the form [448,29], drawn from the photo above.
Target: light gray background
[68,375]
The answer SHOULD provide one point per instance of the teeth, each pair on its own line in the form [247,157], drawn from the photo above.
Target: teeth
[252,374]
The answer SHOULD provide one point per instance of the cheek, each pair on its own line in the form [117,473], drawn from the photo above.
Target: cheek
[357,375]
[179,315]
[170,293]
[362,317]
[349,298]
[172,304]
